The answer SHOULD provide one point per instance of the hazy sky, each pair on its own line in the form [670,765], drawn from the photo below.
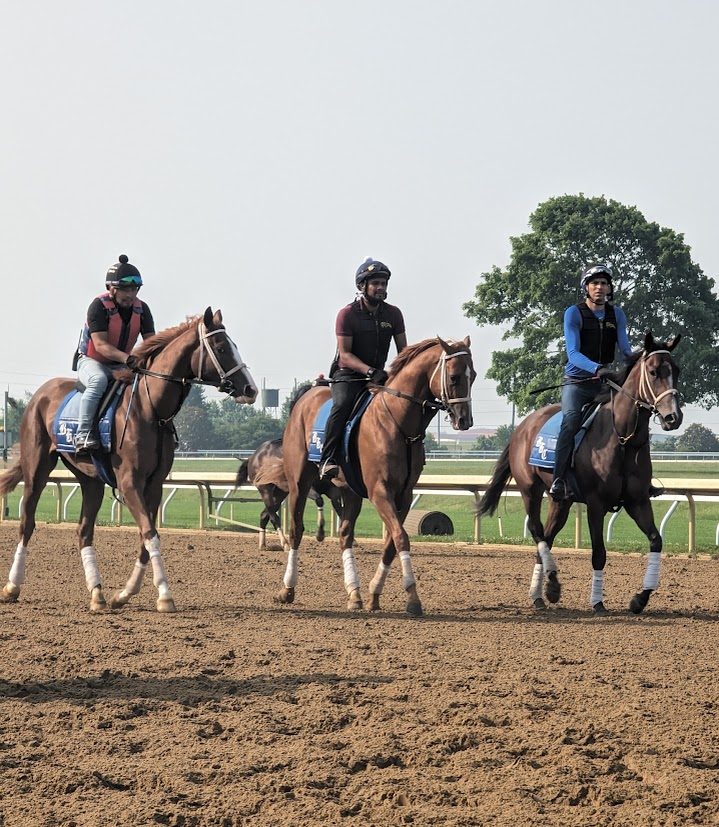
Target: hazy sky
[248,156]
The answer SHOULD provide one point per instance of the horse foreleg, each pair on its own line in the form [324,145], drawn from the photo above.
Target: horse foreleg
[398,542]
[16,577]
[643,516]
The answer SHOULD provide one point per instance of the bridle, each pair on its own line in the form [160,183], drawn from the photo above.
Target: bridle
[225,384]
[442,403]
[646,397]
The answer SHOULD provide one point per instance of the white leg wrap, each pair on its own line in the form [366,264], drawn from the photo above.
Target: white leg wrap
[548,560]
[158,569]
[134,584]
[92,573]
[376,585]
[351,576]
[535,588]
[291,572]
[597,594]
[19,565]
[407,574]
[651,577]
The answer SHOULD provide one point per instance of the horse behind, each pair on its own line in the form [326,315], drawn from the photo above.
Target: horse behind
[266,463]
[612,467]
[199,351]
[424,378]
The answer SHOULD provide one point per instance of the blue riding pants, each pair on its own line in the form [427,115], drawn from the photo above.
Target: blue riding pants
[95,376]
[574,397]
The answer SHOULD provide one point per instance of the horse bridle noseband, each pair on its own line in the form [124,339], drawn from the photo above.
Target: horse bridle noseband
[646,390]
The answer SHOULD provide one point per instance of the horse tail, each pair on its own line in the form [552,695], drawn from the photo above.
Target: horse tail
[272,472]
[243,474]
[502,473]
[9,479]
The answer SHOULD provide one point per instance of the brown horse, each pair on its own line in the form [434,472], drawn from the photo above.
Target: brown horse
[612,468]
[275,493]
[426,377]
[198,351]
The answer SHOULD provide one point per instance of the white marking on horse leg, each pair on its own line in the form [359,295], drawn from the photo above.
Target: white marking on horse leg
[291,572]
[158,570]
[19,566]
[597,593]
[535,588]
[351,577]
[548,560]
[407,574]
[651,576]
[92,573]
[134,584]
[376,585]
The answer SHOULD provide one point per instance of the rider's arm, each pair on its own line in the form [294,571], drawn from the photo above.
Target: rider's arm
[104,348]
[347,358]
[400,342]
[572,327]
[622,338]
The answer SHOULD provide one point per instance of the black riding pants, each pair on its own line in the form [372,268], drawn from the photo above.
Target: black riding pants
[575,395]
[344,395]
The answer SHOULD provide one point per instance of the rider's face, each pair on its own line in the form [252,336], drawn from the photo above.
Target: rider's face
[376,288]
[598,290]
[124,296]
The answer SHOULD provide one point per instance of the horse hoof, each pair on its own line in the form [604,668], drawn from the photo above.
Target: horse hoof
[374,603]
[97,600]
[166,604]
[554,587]
[320,536]
[117,601]
[10,593]
[599,609]
[355,603]
[286,595]
[638,603]
[414,608]
[539,604]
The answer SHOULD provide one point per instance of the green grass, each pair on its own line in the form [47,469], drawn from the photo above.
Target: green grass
[505,527]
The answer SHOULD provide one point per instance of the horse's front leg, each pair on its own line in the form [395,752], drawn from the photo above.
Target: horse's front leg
[595,519]
[643,516]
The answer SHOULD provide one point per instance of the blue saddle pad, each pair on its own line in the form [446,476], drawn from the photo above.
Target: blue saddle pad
[545,443]
[317,438]
[64,428]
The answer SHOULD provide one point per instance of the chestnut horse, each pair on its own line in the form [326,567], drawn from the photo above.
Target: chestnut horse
[197,351]
[426,377]
[275,493]
[612,468]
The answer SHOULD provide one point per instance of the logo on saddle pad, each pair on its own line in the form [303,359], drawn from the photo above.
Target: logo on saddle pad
[317,438]
[545,443]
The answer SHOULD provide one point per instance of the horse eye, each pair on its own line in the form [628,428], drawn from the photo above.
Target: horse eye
[220,348]
[652,372]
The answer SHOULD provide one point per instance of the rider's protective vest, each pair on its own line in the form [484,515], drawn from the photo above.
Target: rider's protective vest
[114,331]
[372,333]
[598,339]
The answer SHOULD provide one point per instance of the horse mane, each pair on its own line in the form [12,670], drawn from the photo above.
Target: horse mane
[620,376]
[300,392]
[408,354]
[154,344]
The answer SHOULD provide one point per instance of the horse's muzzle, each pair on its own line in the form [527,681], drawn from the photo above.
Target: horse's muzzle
[462,421]
[671,421]
[246,395]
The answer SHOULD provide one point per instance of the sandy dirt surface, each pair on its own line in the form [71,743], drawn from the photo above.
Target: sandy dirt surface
[239,711]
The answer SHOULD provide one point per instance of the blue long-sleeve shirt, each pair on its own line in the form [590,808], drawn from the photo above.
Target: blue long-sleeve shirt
[578,365]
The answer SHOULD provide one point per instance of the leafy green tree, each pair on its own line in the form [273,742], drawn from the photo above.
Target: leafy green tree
[502,437]
[698,438]
[655,282]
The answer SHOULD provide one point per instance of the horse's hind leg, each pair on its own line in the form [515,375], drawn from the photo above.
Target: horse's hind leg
[93,491]
[643,516]
[351,507]
[545,573]
[37,465]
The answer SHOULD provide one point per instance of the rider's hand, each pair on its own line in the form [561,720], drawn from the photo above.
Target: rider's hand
[602,373]
[377,376]
[132,362]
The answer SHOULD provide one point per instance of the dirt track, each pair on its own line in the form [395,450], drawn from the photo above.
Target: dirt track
[238,711]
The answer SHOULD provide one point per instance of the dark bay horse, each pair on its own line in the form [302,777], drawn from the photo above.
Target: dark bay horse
[612,466]
[275,493]
[197,351]
[426,377]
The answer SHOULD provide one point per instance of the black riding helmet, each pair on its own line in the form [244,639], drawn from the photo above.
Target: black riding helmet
[123,274]
[371,267]
[593,271]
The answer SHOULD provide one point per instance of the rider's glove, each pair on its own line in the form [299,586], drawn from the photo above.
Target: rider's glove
[602,373]
[377,376]
[132,362]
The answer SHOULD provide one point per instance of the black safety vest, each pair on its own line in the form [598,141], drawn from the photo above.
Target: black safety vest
[598,339]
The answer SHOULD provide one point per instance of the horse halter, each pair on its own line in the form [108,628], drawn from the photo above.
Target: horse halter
[444,393]
[225,384]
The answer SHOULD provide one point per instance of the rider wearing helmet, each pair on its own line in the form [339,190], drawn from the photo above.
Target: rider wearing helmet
[115,320]
[365,330]
[592,331]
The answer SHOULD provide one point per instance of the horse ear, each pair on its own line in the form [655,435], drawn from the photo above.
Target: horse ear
[217,318]
[467,341]
[649,345]
[444,344]
[208,317]
[674,342]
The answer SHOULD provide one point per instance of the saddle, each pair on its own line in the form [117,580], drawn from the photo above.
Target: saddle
[348,460]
